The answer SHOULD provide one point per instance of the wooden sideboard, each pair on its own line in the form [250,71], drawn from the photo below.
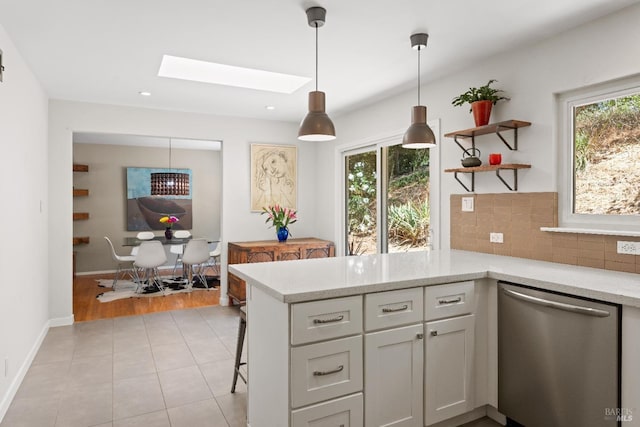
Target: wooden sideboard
[272,250]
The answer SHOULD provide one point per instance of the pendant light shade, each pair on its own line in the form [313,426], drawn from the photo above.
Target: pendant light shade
[169,183]
[419,134]
[316,126]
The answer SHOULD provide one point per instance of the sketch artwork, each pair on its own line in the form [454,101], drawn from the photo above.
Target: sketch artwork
[273,176]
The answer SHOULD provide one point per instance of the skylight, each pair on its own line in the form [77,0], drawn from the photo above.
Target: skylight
[229,75]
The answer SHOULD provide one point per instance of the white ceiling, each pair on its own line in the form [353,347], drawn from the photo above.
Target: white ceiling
[108,51]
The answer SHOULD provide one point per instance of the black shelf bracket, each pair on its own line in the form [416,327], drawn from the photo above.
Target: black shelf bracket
[515,180]
[515,137]
[473,181]
[462,147]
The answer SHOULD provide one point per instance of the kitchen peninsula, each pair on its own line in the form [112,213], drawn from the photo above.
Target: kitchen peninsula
[330,339]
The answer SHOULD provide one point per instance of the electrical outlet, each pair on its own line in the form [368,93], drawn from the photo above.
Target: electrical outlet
[496,238]
[467,204]
[628,248]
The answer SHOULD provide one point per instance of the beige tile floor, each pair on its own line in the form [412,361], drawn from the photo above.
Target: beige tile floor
[157,370]
[168,369]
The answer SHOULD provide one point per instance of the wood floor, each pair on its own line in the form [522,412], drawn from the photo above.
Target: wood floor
[87,307]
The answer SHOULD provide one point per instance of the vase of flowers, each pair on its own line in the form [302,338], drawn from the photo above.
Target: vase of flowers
[168,221]
[280,218]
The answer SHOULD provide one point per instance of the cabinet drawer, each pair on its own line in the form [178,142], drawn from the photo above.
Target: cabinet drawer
[325,370]
[344,412]
[327,319]
[453,299]
[393,308]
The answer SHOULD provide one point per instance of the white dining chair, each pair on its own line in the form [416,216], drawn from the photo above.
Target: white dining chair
[214,260]
[150,256]
[195,259]
[143,235]
[121,260]
[178,249]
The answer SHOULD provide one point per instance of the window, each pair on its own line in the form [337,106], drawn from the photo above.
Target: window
[600,156]
[387,198]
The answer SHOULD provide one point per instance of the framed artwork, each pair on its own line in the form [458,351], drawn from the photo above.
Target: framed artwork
[148,201]
[274,176]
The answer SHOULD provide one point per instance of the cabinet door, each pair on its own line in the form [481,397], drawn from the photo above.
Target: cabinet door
[393,377]
[449,359]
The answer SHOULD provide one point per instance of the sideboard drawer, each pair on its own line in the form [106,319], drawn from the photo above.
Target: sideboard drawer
[452,299]
[326,319]
[393,308]
[344,412]
[325,370]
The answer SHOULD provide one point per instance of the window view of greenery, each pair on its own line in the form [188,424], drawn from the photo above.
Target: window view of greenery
[361,203]
[407,197]
[607,157]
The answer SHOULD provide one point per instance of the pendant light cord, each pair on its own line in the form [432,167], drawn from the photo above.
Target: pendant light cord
[169,154]
[316,24]
[419,49]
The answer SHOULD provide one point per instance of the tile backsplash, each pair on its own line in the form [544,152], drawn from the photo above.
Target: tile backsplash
[519,216]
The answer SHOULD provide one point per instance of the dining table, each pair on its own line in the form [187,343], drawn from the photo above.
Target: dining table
[134,241]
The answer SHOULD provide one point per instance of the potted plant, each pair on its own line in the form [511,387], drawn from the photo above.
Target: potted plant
[482,99]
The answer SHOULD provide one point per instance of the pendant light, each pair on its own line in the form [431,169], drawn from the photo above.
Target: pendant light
[419,134]
[316,126]
[169,183]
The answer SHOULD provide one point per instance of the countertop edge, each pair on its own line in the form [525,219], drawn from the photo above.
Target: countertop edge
[547,281]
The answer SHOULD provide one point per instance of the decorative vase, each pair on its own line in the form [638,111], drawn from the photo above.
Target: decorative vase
[283,234]
[481,112]
[168,233]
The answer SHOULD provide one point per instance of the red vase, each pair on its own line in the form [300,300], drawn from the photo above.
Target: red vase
[481,112]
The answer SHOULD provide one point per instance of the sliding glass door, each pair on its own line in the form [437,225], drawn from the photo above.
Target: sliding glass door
[387,205]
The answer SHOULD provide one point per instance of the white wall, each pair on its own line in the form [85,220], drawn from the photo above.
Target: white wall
[23,260]
[238,223]
[599,51]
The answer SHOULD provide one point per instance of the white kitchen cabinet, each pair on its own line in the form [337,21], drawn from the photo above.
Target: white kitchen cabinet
[325,370]
[449,353]
[394,377]
[343,412]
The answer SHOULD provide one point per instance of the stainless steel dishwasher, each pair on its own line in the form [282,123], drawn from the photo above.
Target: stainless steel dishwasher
[558,359]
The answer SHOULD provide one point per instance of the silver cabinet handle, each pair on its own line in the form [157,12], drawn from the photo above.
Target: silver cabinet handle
[559,305]
[322,373]
[393,310]
[420,336]
[434,333]
[335,319]
[450,301]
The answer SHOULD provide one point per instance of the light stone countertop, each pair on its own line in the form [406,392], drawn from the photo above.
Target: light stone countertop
[314,279]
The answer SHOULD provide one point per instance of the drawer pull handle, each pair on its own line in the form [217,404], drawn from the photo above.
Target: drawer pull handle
[335,319]
[434,333]
[323,373]
[450,301]
[392,310]
[420,336]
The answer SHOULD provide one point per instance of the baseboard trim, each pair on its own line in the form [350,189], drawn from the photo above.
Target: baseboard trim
[61,321]
[17,380]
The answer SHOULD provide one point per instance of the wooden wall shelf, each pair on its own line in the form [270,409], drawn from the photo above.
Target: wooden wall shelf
[488,168]
[81,168]
[80,241]
[80,192]
[496,128]
[78,216]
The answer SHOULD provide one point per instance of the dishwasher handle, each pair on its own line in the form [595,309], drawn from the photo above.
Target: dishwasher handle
[559,305]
